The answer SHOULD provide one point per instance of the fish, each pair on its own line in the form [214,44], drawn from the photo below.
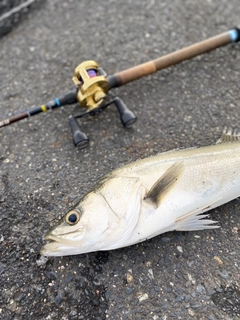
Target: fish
[170,191]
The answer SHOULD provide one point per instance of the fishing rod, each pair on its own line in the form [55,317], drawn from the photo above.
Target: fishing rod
[92,85]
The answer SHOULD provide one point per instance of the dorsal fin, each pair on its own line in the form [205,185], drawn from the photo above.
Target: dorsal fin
[229,136]
[165,183]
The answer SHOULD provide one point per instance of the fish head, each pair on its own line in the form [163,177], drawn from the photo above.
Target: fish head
[85,228]
[103,220]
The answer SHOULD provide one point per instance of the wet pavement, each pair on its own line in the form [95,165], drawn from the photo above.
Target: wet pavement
[178,275]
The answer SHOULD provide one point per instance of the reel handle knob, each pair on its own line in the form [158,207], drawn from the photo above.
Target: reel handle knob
[127,117]
[80,139]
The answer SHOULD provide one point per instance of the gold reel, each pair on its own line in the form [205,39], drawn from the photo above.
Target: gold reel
[92,84]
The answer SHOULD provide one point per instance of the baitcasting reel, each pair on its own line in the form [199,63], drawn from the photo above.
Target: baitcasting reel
[92,85]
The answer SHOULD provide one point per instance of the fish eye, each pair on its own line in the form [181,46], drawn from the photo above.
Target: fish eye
[72,217]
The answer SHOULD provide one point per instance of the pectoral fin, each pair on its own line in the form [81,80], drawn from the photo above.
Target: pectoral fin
[165,183]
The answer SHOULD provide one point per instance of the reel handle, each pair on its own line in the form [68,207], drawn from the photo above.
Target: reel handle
[127,117]
[80,139]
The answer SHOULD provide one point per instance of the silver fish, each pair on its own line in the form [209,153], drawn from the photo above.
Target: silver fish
[143,199]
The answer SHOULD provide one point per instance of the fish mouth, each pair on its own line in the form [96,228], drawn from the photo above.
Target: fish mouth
[52,239]
[57,246]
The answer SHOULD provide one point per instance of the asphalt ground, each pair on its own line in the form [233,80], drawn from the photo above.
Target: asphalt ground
[178,275]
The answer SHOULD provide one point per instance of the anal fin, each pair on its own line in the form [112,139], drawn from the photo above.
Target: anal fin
[194,220]
[229,136]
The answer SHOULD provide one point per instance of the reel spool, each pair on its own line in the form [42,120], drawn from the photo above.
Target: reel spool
[92,84]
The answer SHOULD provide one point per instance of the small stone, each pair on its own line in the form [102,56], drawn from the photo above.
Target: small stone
[18,296]
[191,312]
[41,261]
[218,260]
[59,297]
[143,297]
[95,302]
[13,305]
[164,305]
[69,277]
[129,277]
[235,230]
[157,289]
[28,158]
[165,239]
[107,294]
[52,275]
[2,266]
[191,278]
[179,298]
[150,274]
[195,306]
[72,197]
[224,274]
[185,255]
[128,290]
[180,249]
[210,292]
[200,289]
[97,267]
